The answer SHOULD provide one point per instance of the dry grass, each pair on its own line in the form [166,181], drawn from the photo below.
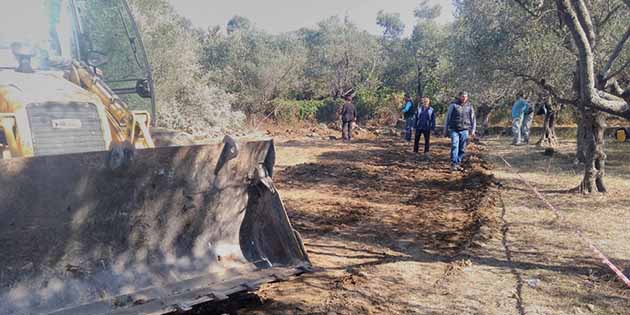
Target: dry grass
[573,280]
[388,230]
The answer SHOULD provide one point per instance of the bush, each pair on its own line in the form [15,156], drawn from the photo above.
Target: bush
[200,110]
[296,110]
[330,110]
[382,104]
[185,99]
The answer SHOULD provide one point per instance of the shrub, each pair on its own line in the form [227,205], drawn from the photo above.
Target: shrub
[296,110]
[382,104]
[330,110]
[185,99]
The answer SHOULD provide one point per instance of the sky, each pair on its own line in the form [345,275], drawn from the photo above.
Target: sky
[278,16]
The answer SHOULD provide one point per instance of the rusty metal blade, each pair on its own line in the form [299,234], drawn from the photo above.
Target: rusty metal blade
[159,230]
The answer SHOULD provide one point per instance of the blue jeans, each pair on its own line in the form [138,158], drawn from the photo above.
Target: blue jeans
[409,123]
[459,141]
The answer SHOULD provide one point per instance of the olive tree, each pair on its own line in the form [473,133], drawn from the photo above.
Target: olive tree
[340,57]
[186,100]
[598,32]
[573,51]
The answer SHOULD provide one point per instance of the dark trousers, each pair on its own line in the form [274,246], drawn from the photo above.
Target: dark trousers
[427,140]
[409,122]
[346,130]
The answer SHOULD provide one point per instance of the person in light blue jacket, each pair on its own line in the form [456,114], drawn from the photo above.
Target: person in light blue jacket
[409,115]
[528,119]
[518,114]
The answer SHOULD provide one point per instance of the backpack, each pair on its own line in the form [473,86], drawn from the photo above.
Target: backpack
[412,112]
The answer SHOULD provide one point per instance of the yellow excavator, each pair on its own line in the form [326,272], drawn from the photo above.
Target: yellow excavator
[97,218]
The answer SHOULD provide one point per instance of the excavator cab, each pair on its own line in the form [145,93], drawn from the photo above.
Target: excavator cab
[119,51]
[95,218]
[89,57]
[43,29]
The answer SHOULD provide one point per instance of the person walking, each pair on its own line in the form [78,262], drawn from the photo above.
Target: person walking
[518,115]
[460,124]
[348,117]
[528,119]
[408,114]
[425,124]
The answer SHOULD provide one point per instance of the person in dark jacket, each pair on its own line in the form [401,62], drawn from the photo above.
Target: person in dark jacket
[348,117]
[460,124]
[425,124]
[409,114]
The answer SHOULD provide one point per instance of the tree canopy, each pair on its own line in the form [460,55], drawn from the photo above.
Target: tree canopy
[570,54]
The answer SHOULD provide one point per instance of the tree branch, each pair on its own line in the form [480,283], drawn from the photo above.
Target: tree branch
[613,76]
[545,86]
[615,54]
[611,13]
[617,90]
[586,22]
[609,103]
[586,71]
[528,10]
[589,95]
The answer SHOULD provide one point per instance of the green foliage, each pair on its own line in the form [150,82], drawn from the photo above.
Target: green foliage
[426,11]
[301,76]
[507,46]
[186,100]
[340,57]
[392,25]
[238,23]
[296,110]
[266,71]
[330,110]
[255,66]
[379,104]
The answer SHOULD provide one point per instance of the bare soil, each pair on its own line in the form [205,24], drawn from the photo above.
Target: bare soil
[393,233]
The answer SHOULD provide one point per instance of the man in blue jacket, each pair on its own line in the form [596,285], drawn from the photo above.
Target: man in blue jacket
[408,114]
[425,124]
[518,114]
[460,124]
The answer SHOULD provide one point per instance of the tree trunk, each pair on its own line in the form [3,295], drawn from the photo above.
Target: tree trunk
[549,138]
[580,156]
[420,86]
[483,113]
[600,153]
[595,157]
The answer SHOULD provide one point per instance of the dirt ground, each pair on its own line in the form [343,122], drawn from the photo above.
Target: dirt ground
[392,233]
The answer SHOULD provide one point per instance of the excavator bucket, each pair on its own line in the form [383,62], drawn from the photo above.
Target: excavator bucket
[146,232]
